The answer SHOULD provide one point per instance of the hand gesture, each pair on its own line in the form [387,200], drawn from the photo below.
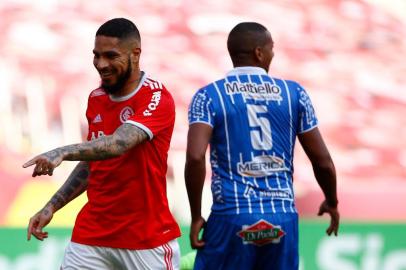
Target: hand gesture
[38,222]
[195,228]
[334,217]
[46,162]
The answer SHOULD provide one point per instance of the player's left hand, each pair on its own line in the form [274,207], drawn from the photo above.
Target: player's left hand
[45,163]
[334,217]
[195,228]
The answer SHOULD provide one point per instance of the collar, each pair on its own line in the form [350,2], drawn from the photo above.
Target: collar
[250,70]
[130,95]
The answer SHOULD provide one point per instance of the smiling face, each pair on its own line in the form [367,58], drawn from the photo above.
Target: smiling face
[114,61]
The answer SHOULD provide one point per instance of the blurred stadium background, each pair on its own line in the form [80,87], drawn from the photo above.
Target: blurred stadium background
[348,54]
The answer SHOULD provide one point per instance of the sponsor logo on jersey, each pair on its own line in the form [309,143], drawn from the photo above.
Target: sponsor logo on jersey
[282,194]
[261,233]
[97,119]
[156,97]
[97,134]
[264,91]
[126,113]
[261,166]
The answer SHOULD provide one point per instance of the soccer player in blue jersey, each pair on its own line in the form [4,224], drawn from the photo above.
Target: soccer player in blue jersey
[251,121]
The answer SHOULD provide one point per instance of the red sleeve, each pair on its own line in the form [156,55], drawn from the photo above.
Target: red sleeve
[155,111]
[88,117]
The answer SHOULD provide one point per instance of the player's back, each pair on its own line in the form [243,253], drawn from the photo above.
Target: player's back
[255,121]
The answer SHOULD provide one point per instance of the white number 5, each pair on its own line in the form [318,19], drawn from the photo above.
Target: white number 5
[261,135]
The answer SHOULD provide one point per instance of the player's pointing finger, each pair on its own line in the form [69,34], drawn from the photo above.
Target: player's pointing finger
[30,163]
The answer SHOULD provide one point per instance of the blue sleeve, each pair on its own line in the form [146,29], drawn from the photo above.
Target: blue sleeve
[201,109]
[307,115]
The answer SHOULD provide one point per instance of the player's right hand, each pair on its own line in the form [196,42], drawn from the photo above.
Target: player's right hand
[45,163]
[195,228]
[334,217]
[38,222]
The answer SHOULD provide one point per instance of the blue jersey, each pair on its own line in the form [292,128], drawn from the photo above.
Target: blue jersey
[255,120]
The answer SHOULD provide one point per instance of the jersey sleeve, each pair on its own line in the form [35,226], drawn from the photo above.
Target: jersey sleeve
[307,115]
[201,109]
[155,112]
[88,117]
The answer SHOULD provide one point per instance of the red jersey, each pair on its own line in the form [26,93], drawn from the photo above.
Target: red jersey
[127,205]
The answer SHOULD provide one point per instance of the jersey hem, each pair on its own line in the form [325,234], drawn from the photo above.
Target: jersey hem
[202,122]
[153,244]
[306,130]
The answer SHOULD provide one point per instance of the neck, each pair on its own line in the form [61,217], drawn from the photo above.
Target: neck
[130,85]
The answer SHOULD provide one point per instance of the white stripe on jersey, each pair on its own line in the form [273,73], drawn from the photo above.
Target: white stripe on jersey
[243,96]
[246,187]
[231,96]
[228,145]
[273,206]
[292,139]
[208,116]
[262,82]
[279,100]
[237,205]
[280,188]
[153,84]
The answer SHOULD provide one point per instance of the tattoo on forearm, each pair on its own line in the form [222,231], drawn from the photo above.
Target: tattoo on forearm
[75,185]
[54,154]
[124,138]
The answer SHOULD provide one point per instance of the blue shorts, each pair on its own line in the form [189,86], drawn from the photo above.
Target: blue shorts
[250,242]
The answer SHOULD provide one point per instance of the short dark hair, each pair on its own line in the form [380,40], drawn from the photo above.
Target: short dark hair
[120,28]
[245,36]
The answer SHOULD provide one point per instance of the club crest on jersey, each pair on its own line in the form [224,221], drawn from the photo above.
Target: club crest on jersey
[126,113]
[261,166]
[261,233]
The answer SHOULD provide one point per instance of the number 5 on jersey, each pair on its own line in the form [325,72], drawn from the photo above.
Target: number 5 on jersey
[261,135]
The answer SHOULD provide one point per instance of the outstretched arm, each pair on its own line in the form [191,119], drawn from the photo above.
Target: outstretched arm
[75,185]
[124,138]
[324,171]
[195,172]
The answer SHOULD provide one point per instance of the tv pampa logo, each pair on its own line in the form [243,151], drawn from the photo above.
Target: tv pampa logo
[261,233]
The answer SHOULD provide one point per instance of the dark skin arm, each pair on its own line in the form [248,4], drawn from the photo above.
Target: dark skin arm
[75,185]
[195,172]
[324,171]
[124,138]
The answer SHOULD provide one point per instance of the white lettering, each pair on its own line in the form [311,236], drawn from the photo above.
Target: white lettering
[100,133]
[332,254]
[156,97]
[395,260]
[373,247]
[265,91]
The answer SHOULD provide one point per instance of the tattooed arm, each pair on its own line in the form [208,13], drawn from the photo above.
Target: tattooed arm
[75,185]
[124,138]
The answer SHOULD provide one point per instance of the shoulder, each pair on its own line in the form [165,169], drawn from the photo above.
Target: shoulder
[211,88]
[97,92]
[97,96]
[155,87]
[290,85]
[153,84]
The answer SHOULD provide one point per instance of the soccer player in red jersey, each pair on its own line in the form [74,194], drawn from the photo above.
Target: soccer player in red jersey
[126,223]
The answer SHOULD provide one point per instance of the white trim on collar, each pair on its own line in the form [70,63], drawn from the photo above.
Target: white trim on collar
[130,95]
[246,70]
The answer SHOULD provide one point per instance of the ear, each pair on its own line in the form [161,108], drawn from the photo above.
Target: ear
[259,55]
[135,54]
